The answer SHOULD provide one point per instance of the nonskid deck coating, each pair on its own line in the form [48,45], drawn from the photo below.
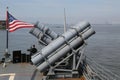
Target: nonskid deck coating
[19,71]
[23,71]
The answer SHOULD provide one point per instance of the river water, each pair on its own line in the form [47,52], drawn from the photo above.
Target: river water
[104,46]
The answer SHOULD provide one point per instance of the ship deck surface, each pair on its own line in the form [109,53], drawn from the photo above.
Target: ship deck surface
[23,71]
[19,71]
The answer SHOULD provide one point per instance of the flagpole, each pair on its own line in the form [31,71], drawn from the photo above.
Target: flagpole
[7,25]
[6,50]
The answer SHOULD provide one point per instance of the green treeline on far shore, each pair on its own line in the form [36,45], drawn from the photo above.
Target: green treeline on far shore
[2,27]
[2,24]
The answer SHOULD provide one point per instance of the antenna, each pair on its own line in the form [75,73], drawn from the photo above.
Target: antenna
[64,21]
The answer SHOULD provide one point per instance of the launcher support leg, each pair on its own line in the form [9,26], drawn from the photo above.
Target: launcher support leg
[74,61]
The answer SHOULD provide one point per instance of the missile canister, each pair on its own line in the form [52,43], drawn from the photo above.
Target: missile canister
[71,33]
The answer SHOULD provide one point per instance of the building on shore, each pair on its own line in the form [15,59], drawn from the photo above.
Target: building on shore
[2,24]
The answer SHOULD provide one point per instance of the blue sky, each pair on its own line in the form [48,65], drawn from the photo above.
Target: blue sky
[52,11]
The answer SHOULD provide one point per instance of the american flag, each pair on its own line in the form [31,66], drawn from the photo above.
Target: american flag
[14,24]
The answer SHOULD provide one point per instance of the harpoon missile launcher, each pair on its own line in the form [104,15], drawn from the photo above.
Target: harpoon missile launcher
[66,48]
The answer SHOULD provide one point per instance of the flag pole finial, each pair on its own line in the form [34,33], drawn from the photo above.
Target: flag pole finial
[7,8]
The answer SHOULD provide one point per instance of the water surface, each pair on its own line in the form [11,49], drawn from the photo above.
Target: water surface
[104,46]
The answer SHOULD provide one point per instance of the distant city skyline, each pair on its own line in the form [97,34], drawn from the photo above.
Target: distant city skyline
[52,11]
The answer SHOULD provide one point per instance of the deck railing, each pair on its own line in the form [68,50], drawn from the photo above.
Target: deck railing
[94,71]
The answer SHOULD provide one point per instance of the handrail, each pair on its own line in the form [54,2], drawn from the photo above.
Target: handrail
[100,72]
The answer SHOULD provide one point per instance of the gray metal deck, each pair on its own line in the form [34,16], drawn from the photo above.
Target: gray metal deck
[19,71]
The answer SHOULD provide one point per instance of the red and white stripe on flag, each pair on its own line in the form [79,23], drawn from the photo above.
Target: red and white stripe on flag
[16,24]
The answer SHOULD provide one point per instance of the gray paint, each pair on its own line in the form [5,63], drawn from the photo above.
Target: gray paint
[74,44]
[71,33]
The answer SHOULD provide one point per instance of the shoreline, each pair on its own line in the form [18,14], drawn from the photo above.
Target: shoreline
[2,27]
